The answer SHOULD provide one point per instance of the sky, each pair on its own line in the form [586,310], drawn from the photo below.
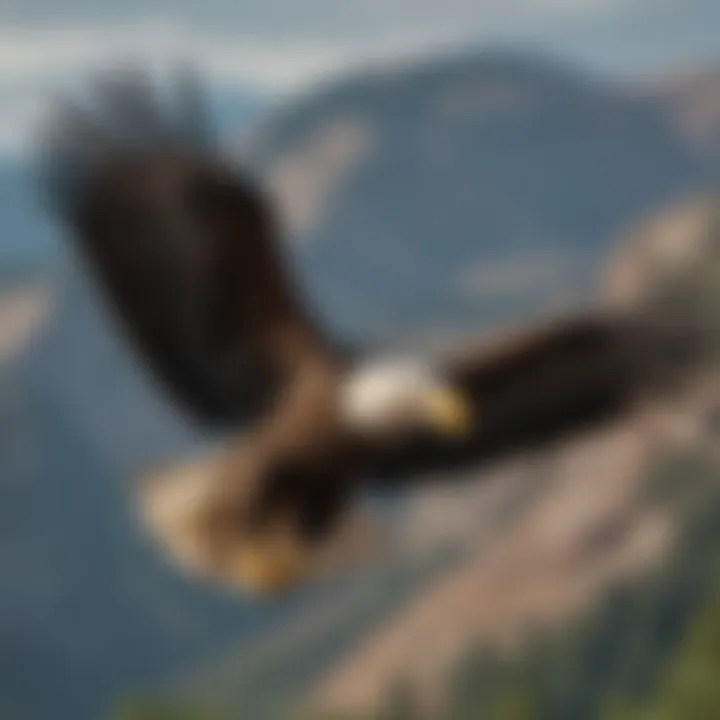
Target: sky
[278,47]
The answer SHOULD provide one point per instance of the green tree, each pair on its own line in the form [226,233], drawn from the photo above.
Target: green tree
[151,709]
[690,690]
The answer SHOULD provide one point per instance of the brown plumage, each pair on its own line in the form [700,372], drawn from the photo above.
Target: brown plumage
[187,253]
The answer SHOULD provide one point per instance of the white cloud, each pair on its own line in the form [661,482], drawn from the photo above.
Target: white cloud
[348,18]
[36,61]
[267,43]
[33,61]
[35,58]
[581,7]
[271,64]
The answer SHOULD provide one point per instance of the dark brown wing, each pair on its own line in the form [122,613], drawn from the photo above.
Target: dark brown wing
[536,388]
[185,248]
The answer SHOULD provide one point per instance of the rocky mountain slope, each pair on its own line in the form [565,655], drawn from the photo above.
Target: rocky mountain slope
[593,523]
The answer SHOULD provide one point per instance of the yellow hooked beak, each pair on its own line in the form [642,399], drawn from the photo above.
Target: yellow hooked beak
[267,566]
[450,413]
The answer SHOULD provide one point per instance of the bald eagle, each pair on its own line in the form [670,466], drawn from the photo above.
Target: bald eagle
[187,251]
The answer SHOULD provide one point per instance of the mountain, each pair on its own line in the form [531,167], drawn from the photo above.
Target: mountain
[89,612]
[469,189]
[444,197]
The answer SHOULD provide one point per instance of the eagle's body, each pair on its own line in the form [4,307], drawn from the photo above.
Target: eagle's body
[188,255]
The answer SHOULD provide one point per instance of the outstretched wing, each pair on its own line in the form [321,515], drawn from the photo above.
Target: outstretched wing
[538,387]
[185,248]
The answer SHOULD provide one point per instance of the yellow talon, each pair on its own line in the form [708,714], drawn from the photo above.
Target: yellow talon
[267,566]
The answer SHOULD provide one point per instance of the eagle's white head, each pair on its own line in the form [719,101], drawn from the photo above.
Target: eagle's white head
[399,394]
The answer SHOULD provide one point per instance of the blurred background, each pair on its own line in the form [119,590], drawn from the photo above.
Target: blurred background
[442,168]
